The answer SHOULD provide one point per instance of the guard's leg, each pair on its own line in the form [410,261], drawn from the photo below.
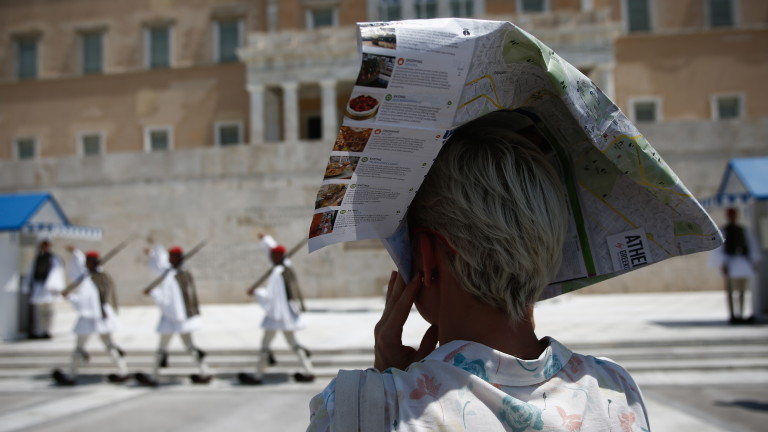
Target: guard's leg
[265,358]
[739,288]
[43,317]
[46,319]
[161,356]
[118,357]
[161,361]
[308,375]
[79,356]
[266,341]
[198,356]
[729,298]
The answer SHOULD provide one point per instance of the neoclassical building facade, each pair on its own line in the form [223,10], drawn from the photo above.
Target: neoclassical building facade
[185,120]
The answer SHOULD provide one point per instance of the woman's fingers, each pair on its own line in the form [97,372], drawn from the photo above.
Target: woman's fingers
[402,304]
[394,292]
[389,348]
[392,279]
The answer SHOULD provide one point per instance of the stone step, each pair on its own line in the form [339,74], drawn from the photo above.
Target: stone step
[755,363]
[617,352]
[230,364]
[184,360]
[651,361]
[681,352]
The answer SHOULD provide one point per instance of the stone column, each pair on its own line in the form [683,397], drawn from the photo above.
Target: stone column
[606,83]
[443,8]
[479,7]
[408,9]
[290,111]
[330,126]
[272,16]
[256,93]
[273,104]
[372,10]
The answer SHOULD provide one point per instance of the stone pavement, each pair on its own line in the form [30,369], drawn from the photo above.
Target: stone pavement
[664,339]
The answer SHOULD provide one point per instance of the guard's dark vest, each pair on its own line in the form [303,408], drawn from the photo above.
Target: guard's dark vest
[106,290]
[735,240]
[187,285]
[293,292]
[42,266]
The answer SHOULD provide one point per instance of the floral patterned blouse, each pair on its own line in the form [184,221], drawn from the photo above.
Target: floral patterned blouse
[469,386]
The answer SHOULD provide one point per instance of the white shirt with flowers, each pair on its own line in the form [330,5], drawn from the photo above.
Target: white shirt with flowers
[469,386]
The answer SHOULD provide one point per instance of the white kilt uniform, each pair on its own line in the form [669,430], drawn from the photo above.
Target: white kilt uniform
[280,313]
[169,297]
[94,316]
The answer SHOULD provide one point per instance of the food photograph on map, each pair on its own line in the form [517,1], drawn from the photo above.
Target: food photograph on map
[375,71]
[352,139]
[330,195]
[362,107]
[322,223]
[378,37]
[341,167]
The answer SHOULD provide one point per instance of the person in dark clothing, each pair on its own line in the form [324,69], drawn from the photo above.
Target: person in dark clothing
[45,281]
[737,258]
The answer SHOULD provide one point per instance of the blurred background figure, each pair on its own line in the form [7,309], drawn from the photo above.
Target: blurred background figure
[175,294]
[737,259]
[45,281]
[283,303]
[93,295]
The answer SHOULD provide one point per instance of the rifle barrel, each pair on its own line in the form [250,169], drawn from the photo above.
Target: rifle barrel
[290,253]
[186,256]
[109,255]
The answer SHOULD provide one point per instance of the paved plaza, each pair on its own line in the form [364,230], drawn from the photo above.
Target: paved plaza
[697,372]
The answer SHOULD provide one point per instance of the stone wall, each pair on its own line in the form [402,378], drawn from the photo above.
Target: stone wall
[228,195]
[223,195]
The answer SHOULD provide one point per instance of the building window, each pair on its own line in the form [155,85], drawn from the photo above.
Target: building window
[25,148]
[727,107]
[462,8]
[315,127]
[532,6]
[645,110]
[638,15]
[390,10]
[158,139]
[91,47]
[26,57]
[91,144]
[325,17]
[721,13]
[228,37]
[158,47]
[228,133]
[426,9]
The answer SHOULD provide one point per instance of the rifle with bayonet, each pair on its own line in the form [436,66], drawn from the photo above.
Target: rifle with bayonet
[184,258]
[266,274]
[108,256]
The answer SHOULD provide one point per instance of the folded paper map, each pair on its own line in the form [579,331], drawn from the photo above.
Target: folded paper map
[421,79]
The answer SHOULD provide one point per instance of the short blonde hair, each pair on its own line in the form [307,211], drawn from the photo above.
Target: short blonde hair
[494,196]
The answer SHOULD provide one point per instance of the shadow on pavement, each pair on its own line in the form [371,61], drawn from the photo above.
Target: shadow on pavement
[746,404]
[703,323]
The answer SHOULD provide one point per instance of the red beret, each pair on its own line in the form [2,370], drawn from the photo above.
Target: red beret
[279,249]
[176,250]
[92,254]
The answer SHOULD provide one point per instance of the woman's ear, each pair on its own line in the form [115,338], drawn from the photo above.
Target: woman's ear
[427,259]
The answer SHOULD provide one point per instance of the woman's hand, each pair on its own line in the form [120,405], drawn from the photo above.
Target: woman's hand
[388,334]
